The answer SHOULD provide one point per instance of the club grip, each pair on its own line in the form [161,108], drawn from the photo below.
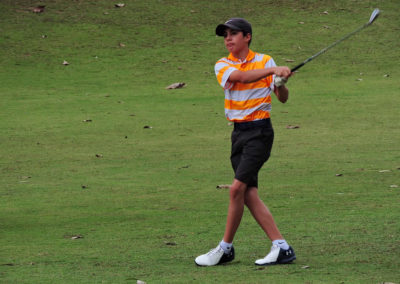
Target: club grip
[297,67]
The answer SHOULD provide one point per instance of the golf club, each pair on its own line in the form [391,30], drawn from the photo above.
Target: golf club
[373,17]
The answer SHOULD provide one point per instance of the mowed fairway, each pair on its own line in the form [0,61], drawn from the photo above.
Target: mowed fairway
[107,177]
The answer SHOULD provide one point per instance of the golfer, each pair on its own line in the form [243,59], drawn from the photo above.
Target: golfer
[248,78]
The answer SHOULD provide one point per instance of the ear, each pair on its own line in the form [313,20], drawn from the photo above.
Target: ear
[247,38]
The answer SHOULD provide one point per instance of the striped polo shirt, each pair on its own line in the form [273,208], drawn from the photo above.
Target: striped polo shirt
[246,102]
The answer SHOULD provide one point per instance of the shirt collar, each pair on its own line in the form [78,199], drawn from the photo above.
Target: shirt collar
[249,57]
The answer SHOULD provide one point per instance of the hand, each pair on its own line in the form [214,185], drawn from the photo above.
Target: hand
[282,71]
[280,81]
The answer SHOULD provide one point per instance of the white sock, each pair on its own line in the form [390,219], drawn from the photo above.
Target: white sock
[281,243]
[226,246]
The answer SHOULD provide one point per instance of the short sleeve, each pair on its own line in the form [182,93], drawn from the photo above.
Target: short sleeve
[223,70]
[271,63]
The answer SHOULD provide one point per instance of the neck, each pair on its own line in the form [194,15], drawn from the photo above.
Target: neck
[242,54]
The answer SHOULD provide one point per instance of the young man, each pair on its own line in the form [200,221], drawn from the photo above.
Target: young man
[248,79]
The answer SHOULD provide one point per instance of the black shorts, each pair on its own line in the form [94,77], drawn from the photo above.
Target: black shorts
[251,148]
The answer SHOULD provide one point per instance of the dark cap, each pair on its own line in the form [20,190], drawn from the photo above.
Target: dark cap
[236,24]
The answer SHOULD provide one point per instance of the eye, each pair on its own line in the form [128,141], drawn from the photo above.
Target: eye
[234,32]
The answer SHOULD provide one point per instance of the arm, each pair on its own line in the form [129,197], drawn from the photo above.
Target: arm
[258,74]
[282,93]
[251,76]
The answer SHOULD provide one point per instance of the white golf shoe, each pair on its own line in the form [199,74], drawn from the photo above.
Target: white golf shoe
[277,255]
[214,257]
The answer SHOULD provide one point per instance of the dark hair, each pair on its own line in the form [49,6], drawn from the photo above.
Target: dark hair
[245,34]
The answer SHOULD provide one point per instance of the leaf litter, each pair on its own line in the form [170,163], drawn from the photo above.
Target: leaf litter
[76,237]
[176,86]
[221,186]
[292,126]
[38,9]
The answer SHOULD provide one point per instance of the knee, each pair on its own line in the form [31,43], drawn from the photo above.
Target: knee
[236,192]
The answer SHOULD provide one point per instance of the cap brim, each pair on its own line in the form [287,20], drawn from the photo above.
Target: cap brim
[220,30]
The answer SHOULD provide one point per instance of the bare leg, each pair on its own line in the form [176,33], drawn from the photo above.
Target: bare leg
[235,210]
[261,213]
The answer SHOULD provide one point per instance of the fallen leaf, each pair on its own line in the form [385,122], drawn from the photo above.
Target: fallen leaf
[44,36]
[121,44]
[223,186]
[292,126]
[176,86]
[99,155]
[339,175]
[301,23]
[65,62]
[305,267]
[386,75]
[140,282]
[38,9]
[76,237]
[87,120]
[170,244]
[326,27]
[394,186]
[119,5]
[325,12]
[384,171]
[147,126]
[359,79]
[185,167]
[84,186]
[289,60]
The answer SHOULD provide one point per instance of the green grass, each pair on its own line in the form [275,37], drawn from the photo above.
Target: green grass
[149,205]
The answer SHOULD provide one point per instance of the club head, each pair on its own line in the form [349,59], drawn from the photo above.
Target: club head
[374,16]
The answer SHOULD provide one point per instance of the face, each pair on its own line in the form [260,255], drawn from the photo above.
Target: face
[235,41]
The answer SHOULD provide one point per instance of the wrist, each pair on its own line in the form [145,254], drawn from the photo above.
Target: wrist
[279,81]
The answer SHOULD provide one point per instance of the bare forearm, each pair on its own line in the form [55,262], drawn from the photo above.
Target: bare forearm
[258,74]
[282,93]
[251,75]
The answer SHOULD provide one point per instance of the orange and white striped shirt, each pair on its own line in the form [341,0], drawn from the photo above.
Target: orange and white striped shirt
[246,102]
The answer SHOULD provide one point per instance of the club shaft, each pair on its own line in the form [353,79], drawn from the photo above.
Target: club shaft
[329,47]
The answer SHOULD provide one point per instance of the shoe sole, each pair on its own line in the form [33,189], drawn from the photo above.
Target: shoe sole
[220,263]
[286,261]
